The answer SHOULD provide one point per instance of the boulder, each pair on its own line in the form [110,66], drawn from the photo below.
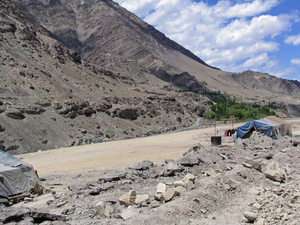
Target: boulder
[250,216]
[128,199]
[161,187]
[142,199]
[145,165]
[274,173]
[178,183]
[101,211]
[188,160]
[189,177]
[127,113]
[189,185]
[169,195]
[173,166]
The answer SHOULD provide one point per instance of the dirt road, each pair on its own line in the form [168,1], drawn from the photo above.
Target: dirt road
[118,155]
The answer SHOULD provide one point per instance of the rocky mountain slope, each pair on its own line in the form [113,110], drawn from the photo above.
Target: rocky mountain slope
[76,72]
[50,97]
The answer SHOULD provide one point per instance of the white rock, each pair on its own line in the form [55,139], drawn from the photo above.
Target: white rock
[101,211]
[250,216]
[161,187]
[178,183]
[142,199]
[188,177]
[169,195]
[128,199]
[273,172]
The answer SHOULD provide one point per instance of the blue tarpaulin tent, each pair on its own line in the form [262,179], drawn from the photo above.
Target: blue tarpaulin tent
[265,126]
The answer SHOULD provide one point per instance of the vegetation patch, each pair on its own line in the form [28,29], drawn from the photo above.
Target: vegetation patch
[228,107]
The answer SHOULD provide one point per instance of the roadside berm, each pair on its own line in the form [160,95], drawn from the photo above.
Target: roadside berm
[254,182]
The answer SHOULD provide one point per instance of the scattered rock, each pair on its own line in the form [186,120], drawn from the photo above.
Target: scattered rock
[169,195]
[129,213]
[161,188]
[128,199]
[273,172]
[145,165]
[189,177]
[101,211]
[250,216]
[142,199]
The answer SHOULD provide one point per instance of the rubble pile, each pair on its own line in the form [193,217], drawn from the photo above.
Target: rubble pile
[256,181]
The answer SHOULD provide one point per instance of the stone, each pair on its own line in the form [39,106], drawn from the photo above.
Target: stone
[189,185]
[101,211]
[178,183]
[247,165]
[250,216]
[172,166]
[179,189]
[144,165]
[161,187]
[188,177]
[17,115]
[129,213]
[128,199]
[274,173]
[142,199]
[256,206]
[158,197]
[169,195]
[188,161]
[261,221]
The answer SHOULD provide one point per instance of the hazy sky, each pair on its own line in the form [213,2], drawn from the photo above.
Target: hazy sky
[233,35]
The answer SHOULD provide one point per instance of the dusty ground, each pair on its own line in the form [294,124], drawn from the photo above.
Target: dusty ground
[118,155]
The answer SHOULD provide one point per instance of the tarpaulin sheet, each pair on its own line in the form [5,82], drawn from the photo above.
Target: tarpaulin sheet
[265,126]
[15,175]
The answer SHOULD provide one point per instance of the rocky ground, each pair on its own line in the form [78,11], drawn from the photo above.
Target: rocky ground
[255,181]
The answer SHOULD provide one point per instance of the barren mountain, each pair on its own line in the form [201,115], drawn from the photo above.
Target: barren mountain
[77,72]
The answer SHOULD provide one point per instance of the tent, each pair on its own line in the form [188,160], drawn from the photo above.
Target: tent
[271,126]
[16,176]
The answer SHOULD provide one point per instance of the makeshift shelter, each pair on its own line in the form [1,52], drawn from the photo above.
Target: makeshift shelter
[272,126]
[16,176]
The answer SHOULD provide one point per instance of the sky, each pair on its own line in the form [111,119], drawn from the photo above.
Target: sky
[233,35]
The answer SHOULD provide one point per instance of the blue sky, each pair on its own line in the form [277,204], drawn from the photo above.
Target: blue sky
[233,35]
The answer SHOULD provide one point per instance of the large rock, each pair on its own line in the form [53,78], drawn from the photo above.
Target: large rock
[273,172]
[188,160]
[142,199]
[250,216]
[145,165]
[161,187]
[189,177]
[128,199]
[127,113]
[101,211]
[169,195]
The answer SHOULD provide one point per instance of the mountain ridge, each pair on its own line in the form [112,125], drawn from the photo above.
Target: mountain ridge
[121,83]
